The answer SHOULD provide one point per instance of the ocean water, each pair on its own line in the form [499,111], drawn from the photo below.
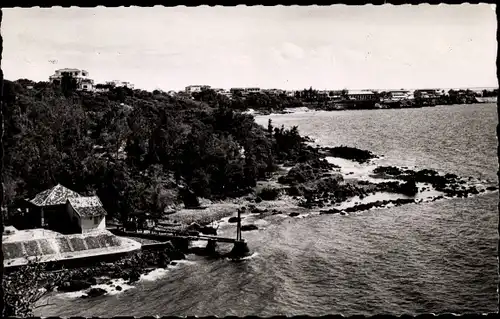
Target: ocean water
[431,257]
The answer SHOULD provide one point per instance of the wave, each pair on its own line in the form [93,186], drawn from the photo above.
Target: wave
[252,256]
[154,275]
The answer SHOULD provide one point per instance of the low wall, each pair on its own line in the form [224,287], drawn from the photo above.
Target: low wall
[51,247]
[180,243]
[492,99]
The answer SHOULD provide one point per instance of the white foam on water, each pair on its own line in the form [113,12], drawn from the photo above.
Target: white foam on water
[198,243]
[255,254]
[184,262]
[352,169]
[154,275]
[257,221]
[297,110]
[110,289]
[73,294]
[380,196]
[307,215]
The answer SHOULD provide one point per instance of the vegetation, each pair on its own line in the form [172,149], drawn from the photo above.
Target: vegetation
[23,287]
[140,152]
[269,193]
[266,102]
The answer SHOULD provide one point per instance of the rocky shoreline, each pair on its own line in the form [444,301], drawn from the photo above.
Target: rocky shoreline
[129,268]
[313,183]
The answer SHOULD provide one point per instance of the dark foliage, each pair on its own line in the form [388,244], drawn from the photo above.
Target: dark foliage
[269,193]
[135,149]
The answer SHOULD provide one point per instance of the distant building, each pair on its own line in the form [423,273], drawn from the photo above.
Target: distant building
[273,91]
[118,83]
[236,90]
[399,95]
[427,93]
[196,88]
[103,87]
[252,90]
[336,94]
[361,95]
[83,82]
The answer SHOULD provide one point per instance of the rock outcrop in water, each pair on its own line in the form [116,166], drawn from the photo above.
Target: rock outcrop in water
[350,153]
[249,227]
[449,184]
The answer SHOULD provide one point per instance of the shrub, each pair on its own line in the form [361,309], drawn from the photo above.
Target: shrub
[269,193]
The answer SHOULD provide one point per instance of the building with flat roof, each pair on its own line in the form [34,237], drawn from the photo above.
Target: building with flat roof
[190,89]
[361,95]
[118,83]
[83,82]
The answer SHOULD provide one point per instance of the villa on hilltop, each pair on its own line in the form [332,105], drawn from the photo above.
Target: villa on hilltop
[83,82]
[196,88]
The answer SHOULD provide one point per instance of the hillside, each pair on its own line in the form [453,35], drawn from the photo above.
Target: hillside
[140,152]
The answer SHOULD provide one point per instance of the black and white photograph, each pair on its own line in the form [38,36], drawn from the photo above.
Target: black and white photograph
[250,160]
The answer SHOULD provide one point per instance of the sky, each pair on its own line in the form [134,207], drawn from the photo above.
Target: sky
[329,47]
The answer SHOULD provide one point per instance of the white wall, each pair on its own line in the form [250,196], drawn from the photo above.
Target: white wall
[88,224]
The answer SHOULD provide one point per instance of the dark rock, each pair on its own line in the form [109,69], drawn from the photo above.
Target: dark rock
[240,250]
[95,292]
[330,211]
[173,263]
[491,188]
[207,230]
[173,253]
[119,288]
[409,188]
[233,219]
[194,226]
[387,170]
[134,276]
[349,153]
[256,210]
[249,227]
[75,285]
[258,200]
[293,214]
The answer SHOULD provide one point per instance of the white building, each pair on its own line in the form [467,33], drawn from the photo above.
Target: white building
[83,82]
[118,83]
[360,95]
[196,88]
[87,213]
[252,90]
[399,95]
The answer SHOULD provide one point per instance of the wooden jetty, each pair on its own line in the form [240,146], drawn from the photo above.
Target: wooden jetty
[240,248]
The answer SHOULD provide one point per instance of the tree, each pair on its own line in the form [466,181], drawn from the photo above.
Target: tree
[68,84]
[25,286]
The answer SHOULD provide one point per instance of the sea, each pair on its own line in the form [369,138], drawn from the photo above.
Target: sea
[435,257]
